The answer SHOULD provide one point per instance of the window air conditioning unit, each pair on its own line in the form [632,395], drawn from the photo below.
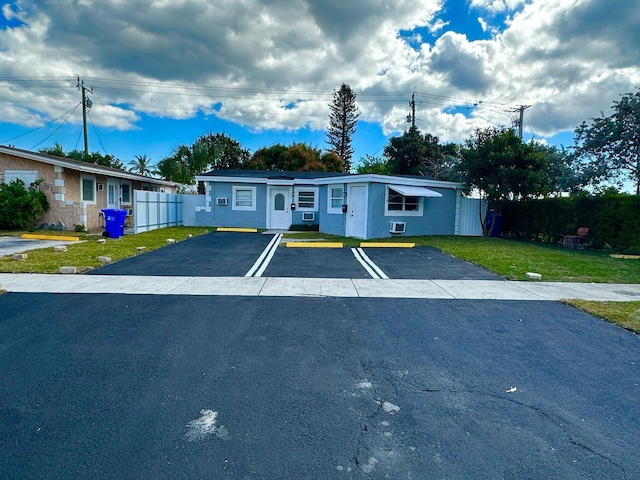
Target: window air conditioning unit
[221,202]
[397,227]
[308,216]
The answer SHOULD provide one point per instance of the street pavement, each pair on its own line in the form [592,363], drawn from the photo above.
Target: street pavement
[189,387]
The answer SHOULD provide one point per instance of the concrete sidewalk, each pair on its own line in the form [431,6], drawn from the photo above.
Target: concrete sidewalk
[318,287]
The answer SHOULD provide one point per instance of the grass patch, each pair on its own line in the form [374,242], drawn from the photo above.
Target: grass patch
[624,314]
[513,259]
[85,255]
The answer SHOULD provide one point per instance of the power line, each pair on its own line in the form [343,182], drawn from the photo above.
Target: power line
[96,132]
[68,112]
[59,127]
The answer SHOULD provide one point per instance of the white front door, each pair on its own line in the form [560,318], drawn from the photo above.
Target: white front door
[357,211]
[279,208]
[113,193]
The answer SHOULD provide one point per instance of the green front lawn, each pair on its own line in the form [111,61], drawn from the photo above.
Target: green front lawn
[512,259]
[85,255]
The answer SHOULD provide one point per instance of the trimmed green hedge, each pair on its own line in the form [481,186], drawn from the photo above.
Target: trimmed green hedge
[613,220]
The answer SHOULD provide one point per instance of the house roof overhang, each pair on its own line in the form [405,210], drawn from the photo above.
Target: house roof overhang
[332,180]
[83,167]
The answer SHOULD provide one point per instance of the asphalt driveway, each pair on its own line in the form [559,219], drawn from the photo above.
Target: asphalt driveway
[217,254]
[154,387]
[231,254]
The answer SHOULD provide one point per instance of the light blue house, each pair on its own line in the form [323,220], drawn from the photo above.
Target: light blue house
[354,205]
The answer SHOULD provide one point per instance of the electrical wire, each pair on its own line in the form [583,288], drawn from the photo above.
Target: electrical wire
[59,127]
[96,132]
[68,112]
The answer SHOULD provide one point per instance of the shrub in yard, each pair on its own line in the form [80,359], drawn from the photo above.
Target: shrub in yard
[21,207]
[304,227]
[613,219]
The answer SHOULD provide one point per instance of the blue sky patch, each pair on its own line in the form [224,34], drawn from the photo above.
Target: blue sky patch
[12,21]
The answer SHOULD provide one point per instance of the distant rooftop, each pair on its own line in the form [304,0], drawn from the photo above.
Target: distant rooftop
[272,174]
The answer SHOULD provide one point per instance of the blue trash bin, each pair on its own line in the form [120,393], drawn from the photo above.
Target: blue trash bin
[496,230]
[114,222]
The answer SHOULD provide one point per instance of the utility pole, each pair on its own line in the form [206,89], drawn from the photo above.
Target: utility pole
[413,110]
[86,104]
[521,109]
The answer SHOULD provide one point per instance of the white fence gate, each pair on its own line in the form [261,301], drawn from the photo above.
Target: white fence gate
[154,210]
[189,204]
[468,216]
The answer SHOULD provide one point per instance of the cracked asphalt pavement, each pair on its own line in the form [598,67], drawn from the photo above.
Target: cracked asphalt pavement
[155,387]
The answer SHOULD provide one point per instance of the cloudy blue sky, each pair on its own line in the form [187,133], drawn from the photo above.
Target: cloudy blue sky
[164,72]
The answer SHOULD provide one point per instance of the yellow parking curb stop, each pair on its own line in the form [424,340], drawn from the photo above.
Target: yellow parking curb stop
[31,236]
[236,229]
[314,245]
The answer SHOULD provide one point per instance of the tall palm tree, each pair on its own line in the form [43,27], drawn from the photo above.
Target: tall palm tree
[141,165]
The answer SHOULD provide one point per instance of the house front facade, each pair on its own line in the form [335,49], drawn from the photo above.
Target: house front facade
[77,191]
[354,205]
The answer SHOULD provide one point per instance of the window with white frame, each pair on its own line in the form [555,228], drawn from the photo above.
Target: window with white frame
[126,192]
[27,176]
[307,199]
[244,198]
[398,204]
[88,189]
[334,198]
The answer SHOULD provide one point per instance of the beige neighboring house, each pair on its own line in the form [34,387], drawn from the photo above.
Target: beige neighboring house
[77,191]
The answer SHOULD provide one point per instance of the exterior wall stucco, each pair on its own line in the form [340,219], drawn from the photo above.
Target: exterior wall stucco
[438,214]
[333,223]
[63,189]
[226,216]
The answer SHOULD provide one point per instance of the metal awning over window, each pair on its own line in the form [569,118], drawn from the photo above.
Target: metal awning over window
[408,191]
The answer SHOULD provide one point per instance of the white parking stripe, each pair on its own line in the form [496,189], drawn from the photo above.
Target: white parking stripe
[265,257]
[272,252]
[370,271]
[375,267]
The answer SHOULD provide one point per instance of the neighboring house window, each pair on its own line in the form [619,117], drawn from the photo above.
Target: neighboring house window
[88,189]
[244,198]
[306,199]
[126,192]
[27,176]
[398,204]
[334,199]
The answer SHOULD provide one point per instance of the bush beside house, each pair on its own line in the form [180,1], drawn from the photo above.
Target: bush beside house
[613,220]
[21,207]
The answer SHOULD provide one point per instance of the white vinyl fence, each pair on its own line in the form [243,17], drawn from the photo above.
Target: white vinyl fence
[153,210]
[468,216]
[189,204]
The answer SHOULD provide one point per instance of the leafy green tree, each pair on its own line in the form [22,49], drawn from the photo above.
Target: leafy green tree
[96,158]
[217,152]
[343,118]
[371,164]
[209,152]
[268,158]
[417,154]
[21,207]
[497,164]
[608,150]
[177,167]
[141,165]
